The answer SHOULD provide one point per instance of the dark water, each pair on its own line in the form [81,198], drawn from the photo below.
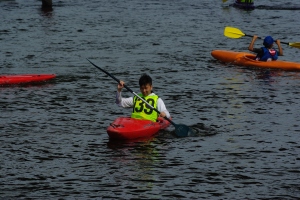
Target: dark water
[53,136]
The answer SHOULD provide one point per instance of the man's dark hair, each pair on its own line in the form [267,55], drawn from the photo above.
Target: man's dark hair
[145,79]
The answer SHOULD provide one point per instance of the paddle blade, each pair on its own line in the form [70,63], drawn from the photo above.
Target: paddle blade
[183,130]
[224,1]
[232,32]
[295,44]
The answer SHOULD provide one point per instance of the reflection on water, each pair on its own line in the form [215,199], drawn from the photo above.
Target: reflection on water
[141,158]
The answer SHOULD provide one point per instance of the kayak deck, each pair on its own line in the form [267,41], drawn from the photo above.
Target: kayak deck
[127,128]
[24,78]
[248,59]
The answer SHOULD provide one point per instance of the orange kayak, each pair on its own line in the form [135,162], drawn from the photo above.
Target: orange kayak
[248,59]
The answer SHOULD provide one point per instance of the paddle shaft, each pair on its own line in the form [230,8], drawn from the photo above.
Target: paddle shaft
[262,38]
[112,76]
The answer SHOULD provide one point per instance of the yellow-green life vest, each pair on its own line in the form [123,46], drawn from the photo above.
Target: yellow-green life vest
[246,1]
[142,111]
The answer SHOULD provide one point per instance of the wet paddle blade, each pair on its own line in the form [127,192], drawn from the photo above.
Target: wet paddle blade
[295,44]
[232,32]
[183,130]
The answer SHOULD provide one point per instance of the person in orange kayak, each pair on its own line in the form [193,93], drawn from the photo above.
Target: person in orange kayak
[266,53]
[140,109]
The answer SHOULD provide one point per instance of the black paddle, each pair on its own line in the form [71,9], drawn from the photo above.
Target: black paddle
[180,129]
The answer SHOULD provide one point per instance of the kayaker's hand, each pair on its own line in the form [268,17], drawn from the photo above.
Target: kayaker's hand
[121,86]
[162,114]
[277,42]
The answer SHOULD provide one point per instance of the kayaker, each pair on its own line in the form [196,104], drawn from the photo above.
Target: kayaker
[266,53]
[140,109]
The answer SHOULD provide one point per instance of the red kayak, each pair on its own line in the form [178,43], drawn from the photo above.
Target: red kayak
[127,128]
[24,78]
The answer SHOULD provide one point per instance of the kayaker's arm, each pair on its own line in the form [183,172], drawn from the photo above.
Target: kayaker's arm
[280,52]
[250,48]
[161,107]
[123,102]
